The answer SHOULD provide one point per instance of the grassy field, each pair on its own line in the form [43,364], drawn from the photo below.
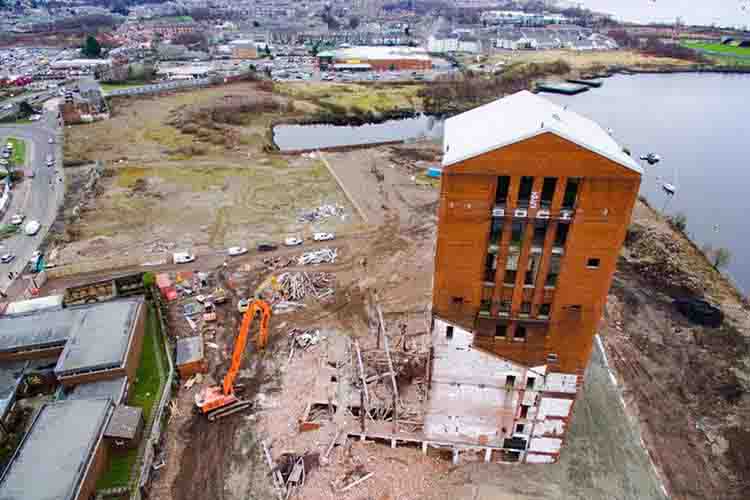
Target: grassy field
[150,378]
[355,98]
[718,47]
[19,151]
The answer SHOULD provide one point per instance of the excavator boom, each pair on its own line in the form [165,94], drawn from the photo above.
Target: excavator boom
[219,401]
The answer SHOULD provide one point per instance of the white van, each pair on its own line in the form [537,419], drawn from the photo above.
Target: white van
[32,227]
[183,257]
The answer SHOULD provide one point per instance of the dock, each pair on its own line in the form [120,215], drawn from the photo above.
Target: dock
[586,81]
[565,88]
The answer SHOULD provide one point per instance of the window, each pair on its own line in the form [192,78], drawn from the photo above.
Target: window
[449,331]
[490,265]
[524,191]
[496,231]
[552,357]
[510,381]
[532,269]
[530,383]
[524,413]
[516,233]
[554,271]
[593,263]
[457,300]
[520,427]
[544,310]
[561,235]
[526,308]
[485,307]
[571,193]
[501,332]
[501,195]
[511,268]
[520,333]
[505,306]
[548,191]
[540,233]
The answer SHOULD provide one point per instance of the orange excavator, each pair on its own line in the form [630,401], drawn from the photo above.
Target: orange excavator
[220,400]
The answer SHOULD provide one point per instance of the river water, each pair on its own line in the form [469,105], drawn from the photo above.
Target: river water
[699,124]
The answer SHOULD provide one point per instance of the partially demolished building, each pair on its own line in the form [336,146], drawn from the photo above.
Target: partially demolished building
[534,206]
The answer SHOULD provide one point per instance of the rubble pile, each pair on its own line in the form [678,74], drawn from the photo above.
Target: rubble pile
[304,339]
[321,212]
[278,262]
[661,259]
[322,256]
[296,286]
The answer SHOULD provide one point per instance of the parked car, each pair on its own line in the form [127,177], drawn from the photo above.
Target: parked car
[235,251]
[699,311]
[266,247]
[183,257]
[17,219]
[51,140]
[7,258]
[323,236]
[32,227]
[292,241]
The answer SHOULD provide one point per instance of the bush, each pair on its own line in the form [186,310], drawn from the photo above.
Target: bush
[149,279]
[678,222]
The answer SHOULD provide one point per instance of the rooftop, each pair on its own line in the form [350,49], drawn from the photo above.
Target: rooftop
[113,389]
[11,374]
[124,422]
[521,116]
[189,350]
[41,471]
[377,53]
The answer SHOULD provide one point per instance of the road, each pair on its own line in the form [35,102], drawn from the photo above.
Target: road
[42,198]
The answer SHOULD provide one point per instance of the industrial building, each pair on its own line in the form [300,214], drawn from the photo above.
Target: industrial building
[534,205]
[385,58]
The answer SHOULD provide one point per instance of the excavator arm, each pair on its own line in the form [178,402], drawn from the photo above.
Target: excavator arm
[256,306]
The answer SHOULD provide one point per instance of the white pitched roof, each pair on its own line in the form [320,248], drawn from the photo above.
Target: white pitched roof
[519,117]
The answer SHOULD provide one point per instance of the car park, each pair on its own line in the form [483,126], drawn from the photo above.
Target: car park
[323,236]
[7,258]
[292,241]
[235,251]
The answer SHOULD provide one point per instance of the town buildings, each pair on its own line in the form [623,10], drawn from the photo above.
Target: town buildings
[534,205]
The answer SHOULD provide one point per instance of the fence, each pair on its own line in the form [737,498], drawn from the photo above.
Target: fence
[155,88]
[157,416]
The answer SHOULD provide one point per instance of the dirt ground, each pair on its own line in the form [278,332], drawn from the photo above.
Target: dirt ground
[586,60]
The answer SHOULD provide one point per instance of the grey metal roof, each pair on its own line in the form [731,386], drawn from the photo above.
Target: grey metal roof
[113,389]
[100,336]
[124,422]
[189,349]
[53,457]
[35,330]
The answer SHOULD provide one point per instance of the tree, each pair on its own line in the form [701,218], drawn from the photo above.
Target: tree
[91,47]
[679,222]
[354,22]
[268,51]
[721,257]
[25,109]
[256,24]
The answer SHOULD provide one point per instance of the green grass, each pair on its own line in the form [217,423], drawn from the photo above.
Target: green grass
[19,151]
[145,394]
[718,47]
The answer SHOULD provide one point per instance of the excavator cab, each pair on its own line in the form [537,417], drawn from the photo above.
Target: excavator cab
[220,400]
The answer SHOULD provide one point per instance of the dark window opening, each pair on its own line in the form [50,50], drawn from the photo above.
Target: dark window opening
[525,307]
[530,383]
[516,233]
[449,331]
[544,309]
[490,266]
[540,233]
[510,381]
[520,333]
[505,306]
[571,193]
[532,269]
[503,185]
[554,271]
[520,427]
[561,235]
[457,300]
[552,357]
[524,191]
[485,306]
[501,331]
[524,414]
[593,263]
[496,231]
[548,191]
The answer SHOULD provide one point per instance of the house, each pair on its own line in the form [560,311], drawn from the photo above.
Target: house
[125,427]
[535,202]
[190,357]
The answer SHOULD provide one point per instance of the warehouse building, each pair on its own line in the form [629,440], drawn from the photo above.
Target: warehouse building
[63,453]
[384,58]
[535,202]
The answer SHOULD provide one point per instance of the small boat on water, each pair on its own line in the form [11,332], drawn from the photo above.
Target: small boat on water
[651,158]
[668,188]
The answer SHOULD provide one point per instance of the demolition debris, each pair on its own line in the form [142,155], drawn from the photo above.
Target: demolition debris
[320,213]
[322,256]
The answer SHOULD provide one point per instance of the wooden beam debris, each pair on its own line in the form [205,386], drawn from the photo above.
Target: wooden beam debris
[278,481]
[355,483]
